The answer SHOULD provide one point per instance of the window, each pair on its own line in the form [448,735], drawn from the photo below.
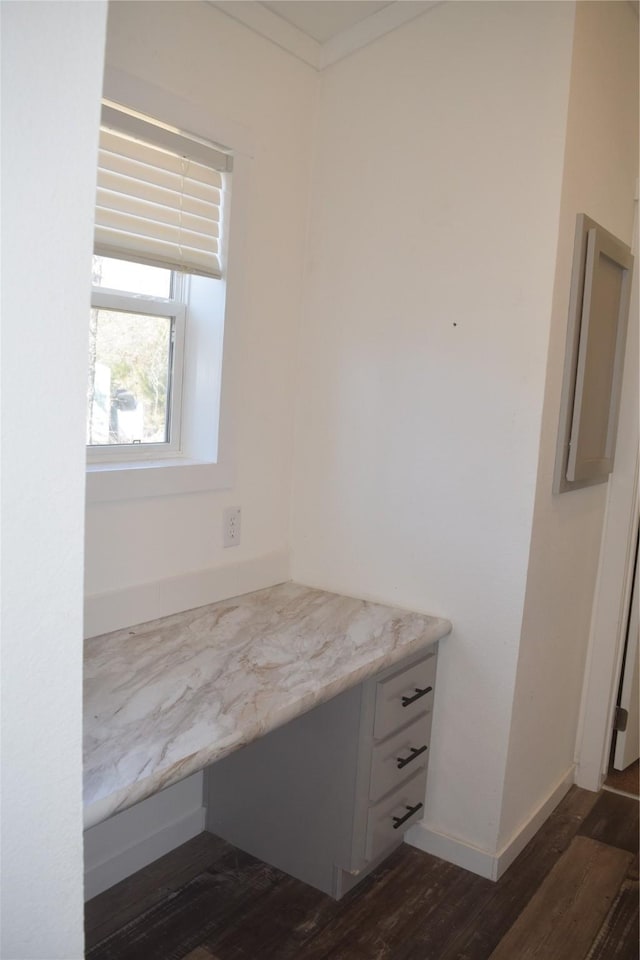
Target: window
[136,351]
[157,295]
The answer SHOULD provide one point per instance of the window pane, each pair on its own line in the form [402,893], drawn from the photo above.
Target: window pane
[129,378]
[131,277]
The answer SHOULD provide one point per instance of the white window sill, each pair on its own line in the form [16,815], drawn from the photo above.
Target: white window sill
[155,478]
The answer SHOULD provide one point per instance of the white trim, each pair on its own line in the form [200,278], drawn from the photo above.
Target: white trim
[620,793]
[452,850]
[486,864]
[288,37]
[615,573]
[155,478]
[528,830]
[105,299]
[116,609]
[124,121]
[174,310]
[195,470]
[197,119]
[372,28]
[606,641]
[123,863]
[269,25]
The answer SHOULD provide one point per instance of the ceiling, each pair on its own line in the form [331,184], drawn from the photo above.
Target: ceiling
[320,32]
[324,19]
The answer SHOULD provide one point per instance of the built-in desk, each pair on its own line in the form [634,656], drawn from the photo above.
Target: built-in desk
[168,698]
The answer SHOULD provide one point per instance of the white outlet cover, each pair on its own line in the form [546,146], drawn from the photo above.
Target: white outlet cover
[231,524]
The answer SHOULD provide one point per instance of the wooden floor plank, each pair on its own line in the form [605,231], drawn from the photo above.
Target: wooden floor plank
[618,936]
[379,918]
[290,924]
[566,913]
[443,916]
[486,925]
[172,928]
[625,781]
[275,926]
[212,902]
[475,925]
[130,898]
[614,820]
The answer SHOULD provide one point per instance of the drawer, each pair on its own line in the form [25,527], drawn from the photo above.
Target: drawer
[403,696]
[399,757]
[388,819]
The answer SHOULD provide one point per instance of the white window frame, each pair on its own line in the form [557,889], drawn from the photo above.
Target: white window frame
[174,308]
[204,458]
[207,459]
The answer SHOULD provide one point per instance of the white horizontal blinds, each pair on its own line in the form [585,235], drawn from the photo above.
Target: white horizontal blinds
[158,205]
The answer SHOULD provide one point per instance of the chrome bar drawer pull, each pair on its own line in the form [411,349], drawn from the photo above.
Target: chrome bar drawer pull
[413,753]
[419,693]
[398,821]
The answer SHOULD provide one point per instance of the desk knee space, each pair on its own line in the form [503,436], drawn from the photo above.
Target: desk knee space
[330,794]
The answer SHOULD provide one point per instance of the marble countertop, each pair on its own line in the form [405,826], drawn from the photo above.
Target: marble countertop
[165,699]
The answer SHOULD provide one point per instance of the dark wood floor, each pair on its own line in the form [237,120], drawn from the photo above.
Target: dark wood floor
[625,781]
[572,894]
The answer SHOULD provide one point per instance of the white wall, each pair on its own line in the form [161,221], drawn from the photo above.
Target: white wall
[130,840]
[424,341]
[146,558]
[435,205]
[51,77]
[219,67]
[601,167]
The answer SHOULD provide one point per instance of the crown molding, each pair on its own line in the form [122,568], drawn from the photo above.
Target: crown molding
[372,28]
[263,21]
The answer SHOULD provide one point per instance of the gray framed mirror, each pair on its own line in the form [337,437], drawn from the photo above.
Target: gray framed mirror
[594,358]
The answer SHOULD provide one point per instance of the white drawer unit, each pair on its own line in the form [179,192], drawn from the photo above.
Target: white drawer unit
[404,695]
[328,796]
[389,818]
[399,757]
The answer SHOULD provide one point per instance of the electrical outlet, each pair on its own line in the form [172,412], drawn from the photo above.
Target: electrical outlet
[231,526]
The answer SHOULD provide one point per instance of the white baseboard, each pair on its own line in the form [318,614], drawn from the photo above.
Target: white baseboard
[116,609]
[524,833]
[589,776]
[452,850]
[483,862]
[137,855]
